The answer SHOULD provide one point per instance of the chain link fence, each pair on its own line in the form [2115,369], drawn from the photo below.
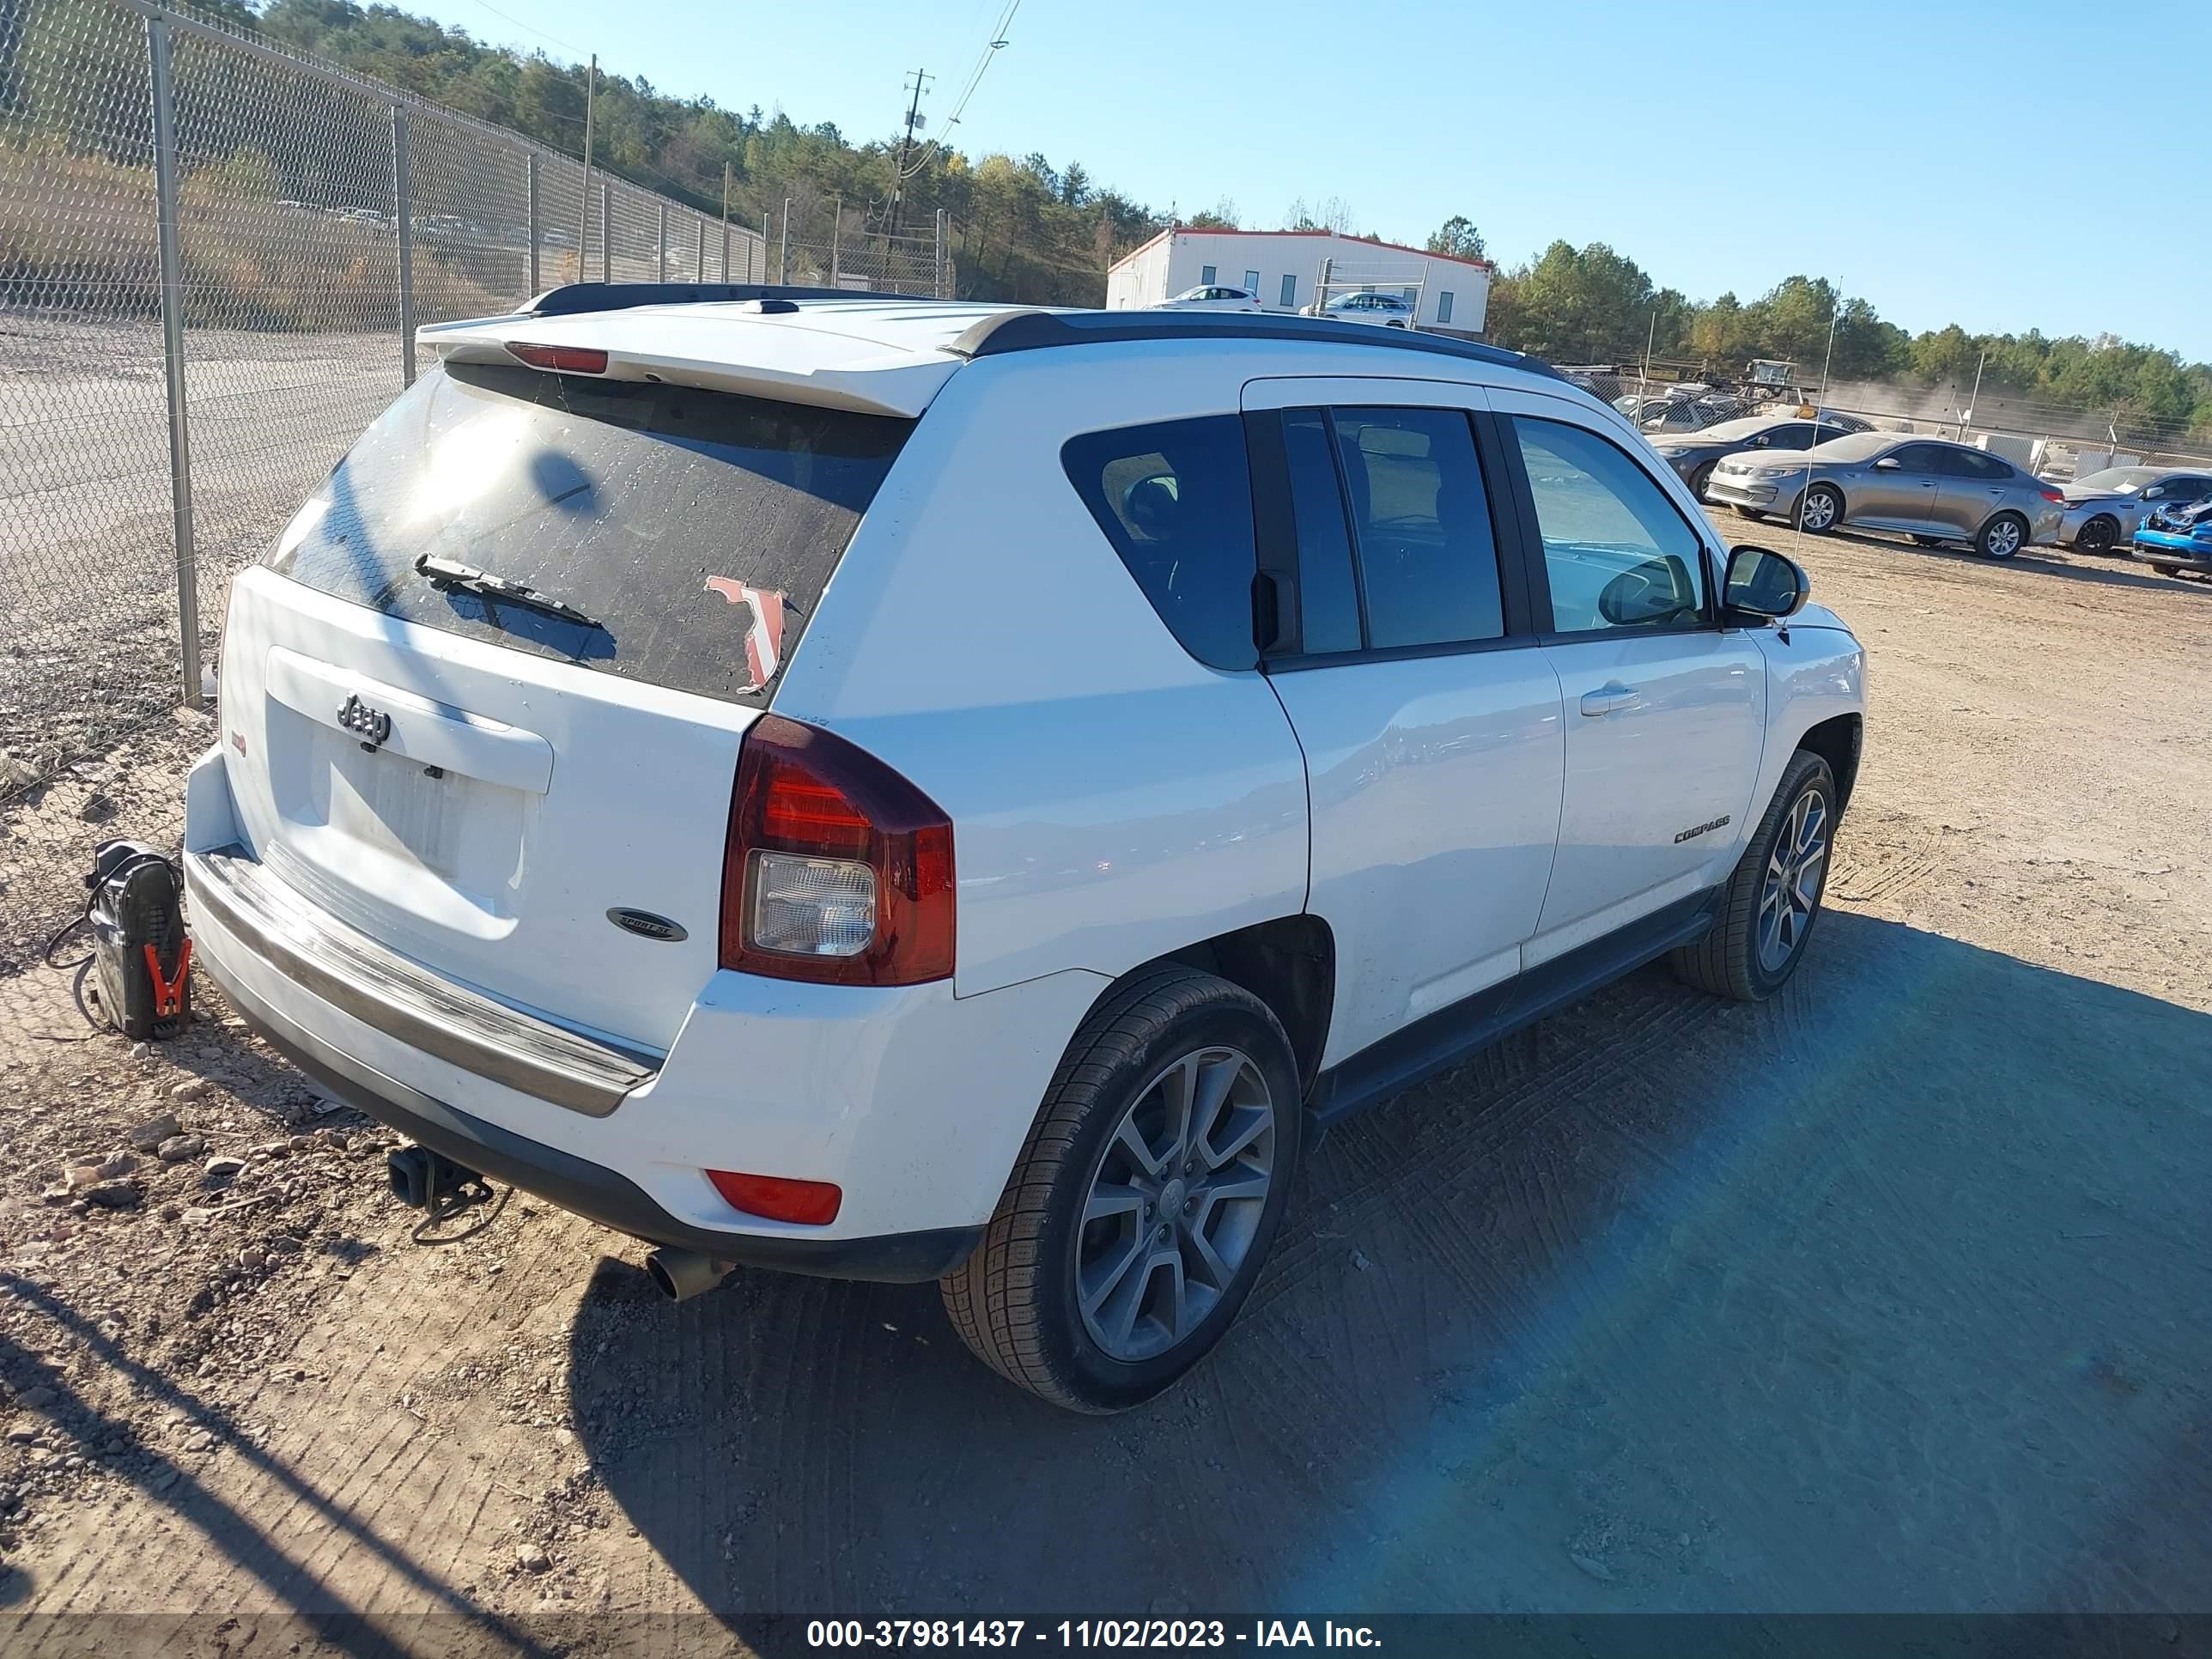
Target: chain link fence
[213,254]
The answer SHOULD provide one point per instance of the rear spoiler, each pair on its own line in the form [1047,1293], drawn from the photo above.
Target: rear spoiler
[741,350]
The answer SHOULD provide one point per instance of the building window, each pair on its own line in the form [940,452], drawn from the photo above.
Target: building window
[1289,293]
[1443,307]
[1207,276]
[1252,283]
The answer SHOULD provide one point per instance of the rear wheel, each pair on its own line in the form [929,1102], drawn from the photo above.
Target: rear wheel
[1137,1216]
[1821,510]
[2002,537]
[2098,535]
[1771,902]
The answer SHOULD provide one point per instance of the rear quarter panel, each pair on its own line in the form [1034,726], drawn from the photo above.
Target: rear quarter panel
[1112,799]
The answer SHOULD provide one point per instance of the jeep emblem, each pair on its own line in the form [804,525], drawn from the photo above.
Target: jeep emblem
[372,725]
[645,924]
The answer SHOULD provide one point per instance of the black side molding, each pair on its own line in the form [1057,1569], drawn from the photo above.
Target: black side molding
[1037,330]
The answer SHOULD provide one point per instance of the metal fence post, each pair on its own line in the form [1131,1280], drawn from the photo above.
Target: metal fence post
[726,250]
[662,252]
[762,277]
[173,351]
[783,249]
[607,230]
[532,160]
[403,215]
[699,265]
[937,271]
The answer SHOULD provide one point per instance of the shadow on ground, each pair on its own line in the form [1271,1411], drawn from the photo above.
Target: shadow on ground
[1886,1294]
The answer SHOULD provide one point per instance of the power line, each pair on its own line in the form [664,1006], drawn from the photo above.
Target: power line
[550,40]
[991,48]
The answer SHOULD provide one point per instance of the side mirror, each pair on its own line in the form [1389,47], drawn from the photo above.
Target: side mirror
[2153,494]
[1764,584]
[1888,463]
[1657,590]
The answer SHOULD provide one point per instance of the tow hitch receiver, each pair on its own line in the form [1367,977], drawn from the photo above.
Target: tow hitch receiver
[424,1180]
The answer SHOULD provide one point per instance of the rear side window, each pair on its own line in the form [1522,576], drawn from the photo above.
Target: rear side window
[696,529]
[1176,501]
[1428,563]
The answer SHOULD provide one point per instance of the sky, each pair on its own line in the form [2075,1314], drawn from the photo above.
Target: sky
[2002,164]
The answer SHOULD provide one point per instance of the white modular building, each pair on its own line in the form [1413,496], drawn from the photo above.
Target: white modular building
[1285,269]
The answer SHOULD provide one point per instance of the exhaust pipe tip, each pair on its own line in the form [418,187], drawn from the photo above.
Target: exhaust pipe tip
[683,1275]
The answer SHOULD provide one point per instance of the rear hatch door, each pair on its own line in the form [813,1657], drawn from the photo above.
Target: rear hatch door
[531,794]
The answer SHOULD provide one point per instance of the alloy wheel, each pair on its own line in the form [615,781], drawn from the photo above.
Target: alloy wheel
[1175,1203]
[1818,511]
[1792,888]
[2001,539]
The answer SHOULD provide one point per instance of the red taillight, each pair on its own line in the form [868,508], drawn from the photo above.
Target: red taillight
[2053,496]
[810,1203]
[562,360]
[815,823]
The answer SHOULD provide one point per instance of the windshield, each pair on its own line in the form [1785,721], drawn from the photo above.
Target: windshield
[1854,446]
[675,517]
[2120,480]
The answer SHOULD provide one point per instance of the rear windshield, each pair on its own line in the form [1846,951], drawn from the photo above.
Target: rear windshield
[695,529]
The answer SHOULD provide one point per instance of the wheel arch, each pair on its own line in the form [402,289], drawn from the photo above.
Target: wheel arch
[1838,741]
[1288,963]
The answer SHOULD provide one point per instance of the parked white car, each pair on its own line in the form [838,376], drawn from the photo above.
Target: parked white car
[916,791]
[1212,296]
[1380,310]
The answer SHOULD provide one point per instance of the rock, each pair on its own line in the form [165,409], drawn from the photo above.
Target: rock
[141,1051]
[201,1442]
[24,1431]
[285,1244]
[253,1259]
[55,1194]
[79,1175]
[116,1163]
[114,1194]
[531,1559]
[36,1398]
[221,1170]
[1590,1565]
[192,1088]
[98,808]
[1359,1260]
[179,1149]
[169,1213]
[163,1481]
[148,1136]
[301,1143]
[333,1139]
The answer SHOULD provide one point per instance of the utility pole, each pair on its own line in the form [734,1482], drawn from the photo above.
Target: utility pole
[898,172]
[726,222]
[584,206]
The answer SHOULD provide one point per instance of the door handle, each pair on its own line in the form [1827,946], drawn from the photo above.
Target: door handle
[1611,698]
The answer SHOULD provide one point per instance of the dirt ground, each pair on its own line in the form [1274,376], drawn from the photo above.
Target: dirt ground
[1888,1295]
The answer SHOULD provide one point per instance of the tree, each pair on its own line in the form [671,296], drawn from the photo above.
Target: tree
[1222,216]
[1457,238]
[1333,215]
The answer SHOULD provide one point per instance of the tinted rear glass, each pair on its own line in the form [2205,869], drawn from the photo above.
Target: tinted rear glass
[682,520]
[1176,501]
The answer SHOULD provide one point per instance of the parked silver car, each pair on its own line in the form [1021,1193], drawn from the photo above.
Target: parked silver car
[1930,490]
[2104,509]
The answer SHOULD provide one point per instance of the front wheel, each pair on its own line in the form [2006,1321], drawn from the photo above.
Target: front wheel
[2002,537]
[1768,907]
[1821,510]
[1700,478]
[2099,535]
[1141,1209]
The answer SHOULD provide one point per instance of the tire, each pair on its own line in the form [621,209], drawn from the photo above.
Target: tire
[1751,513]
[1820,510]
[1927,541]
[2002,537]
[1700,478]
[2099,536]
[1736,959]
[2167,569]
[1016,1301]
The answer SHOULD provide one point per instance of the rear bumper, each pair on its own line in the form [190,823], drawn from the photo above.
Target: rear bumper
[591,1190]
[914,1103]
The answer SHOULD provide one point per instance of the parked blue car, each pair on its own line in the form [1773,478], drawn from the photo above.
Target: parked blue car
[2174,539]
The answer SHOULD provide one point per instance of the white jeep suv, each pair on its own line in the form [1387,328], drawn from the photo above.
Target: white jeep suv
[914,790]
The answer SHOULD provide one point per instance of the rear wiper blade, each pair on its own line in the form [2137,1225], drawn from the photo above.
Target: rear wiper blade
[451,573]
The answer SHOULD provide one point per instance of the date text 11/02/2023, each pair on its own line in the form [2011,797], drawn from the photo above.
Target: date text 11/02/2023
[1069,1634]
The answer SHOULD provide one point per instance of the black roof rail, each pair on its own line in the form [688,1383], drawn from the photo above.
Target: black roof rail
[573,298]
[1035,331]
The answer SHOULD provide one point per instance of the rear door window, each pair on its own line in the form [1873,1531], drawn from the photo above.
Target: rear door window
[1176,501]
[1421,517]
[695,529]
